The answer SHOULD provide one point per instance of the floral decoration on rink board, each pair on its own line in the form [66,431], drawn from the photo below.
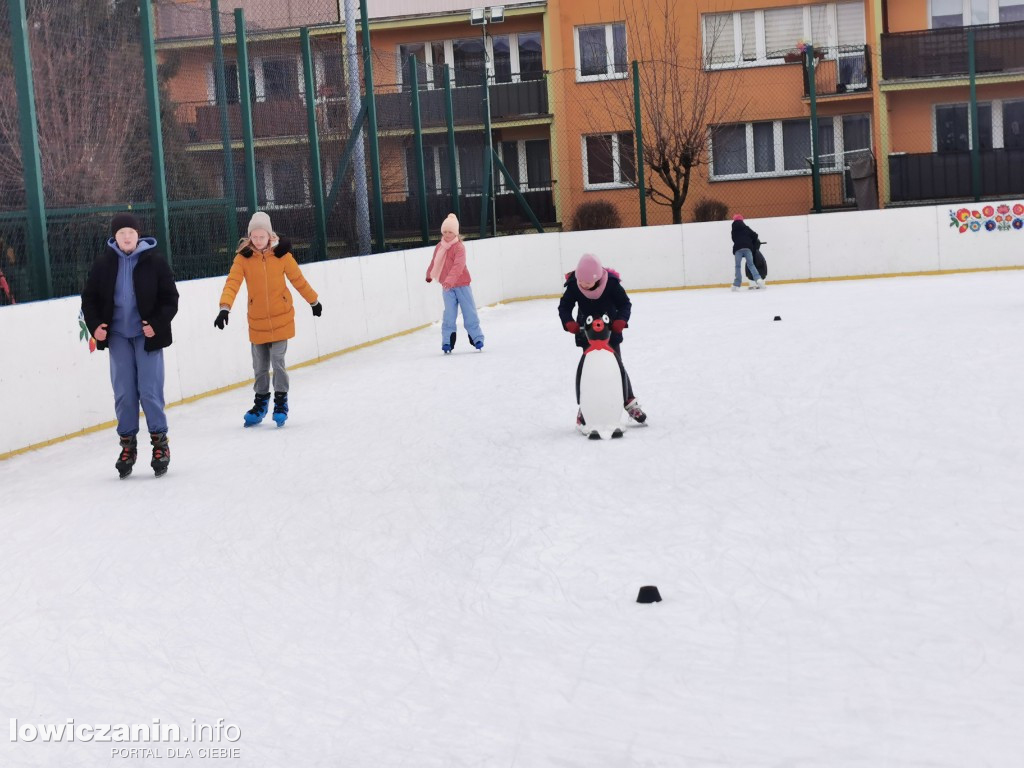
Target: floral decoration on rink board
[1001,217]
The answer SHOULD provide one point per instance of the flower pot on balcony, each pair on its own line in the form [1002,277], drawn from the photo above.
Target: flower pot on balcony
[793,57]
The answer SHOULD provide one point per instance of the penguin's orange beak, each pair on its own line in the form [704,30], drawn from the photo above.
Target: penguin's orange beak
[597,325]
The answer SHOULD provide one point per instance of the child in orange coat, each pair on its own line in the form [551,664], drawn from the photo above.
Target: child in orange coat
[264,261]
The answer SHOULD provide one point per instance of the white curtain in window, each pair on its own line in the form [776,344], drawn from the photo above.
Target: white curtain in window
[821,32]
[719,44]
[783,28]
[748,36]
[851,23]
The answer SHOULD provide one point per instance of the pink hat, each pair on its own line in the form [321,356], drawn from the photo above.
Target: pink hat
[737,217]
[451,223]
[590,271]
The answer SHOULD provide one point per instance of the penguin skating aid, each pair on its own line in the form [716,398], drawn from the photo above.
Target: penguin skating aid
[601,385]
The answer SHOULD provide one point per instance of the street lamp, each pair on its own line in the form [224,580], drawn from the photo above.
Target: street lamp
[481,17]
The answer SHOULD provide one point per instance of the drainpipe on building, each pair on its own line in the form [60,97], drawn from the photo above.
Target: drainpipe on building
[354,104]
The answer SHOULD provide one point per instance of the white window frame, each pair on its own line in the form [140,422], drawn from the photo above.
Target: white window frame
[780,171]
[761,59]
[998,137]
[965,13]
[616,163]
[449,56]
[503,187]
[268,186]
[609,43]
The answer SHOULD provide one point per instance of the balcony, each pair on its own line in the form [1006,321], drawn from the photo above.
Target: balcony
[940,53]
[287,117]
[509,101]
[947,175]
[841,70]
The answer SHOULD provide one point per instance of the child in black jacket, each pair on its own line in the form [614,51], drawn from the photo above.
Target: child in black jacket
[129,301]
[598,291]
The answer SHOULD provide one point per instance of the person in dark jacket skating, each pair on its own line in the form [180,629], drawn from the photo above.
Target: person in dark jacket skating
[598,291]
[129,301]
[744,244]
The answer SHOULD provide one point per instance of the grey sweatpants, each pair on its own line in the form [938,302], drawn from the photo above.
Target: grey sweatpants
[263,357]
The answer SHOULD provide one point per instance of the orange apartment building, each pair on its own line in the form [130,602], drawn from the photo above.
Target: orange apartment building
[890,80]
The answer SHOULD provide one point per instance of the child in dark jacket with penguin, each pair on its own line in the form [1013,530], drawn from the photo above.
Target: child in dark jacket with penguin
[598,291]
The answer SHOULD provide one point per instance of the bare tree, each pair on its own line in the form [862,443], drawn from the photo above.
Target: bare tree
[89,97]
[682,99]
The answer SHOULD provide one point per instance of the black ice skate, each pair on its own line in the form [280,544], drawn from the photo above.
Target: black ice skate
[129,452]
[161,453]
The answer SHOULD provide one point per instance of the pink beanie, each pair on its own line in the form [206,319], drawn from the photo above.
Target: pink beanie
[737,217]
[589,270]
[451,223]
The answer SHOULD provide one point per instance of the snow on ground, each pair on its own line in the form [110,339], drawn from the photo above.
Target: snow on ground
[428,567]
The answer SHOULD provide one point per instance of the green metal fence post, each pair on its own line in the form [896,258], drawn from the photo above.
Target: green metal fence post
[519,195]
[245,108]
[639,144]
[225,126]
[38,248]
[488,191]
[316,180]
[156,136]
[975,132]
[371,118]
[449,116]
[417,133]
[815,160]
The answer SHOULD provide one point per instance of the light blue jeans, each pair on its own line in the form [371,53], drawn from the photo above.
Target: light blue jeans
[137,377]
[453,300]
[741,254]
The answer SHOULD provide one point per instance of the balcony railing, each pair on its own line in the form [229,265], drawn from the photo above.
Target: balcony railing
[287,117]
[509,101]
[943,52]
[842,69]
[947,175]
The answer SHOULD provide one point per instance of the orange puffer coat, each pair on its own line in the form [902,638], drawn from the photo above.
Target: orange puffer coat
[271,313]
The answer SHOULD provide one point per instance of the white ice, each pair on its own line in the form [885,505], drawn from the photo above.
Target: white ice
[429,567]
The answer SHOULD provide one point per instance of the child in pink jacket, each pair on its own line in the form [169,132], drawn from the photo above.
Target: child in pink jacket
[448,267]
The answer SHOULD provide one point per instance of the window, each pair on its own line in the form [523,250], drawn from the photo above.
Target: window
[528,162]
[468,59]
[286,184]
[953,127]
[280,80]
[783,27]
[600,51]
[417,51]
[796,144]
[783,147]
[531,65]
[958,13]
[1013,125]
[758,38]
[332,75]
[609,161]
[511,58]
[1011,10]
[231,84]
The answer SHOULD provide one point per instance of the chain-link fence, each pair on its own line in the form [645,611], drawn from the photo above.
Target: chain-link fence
[602,144]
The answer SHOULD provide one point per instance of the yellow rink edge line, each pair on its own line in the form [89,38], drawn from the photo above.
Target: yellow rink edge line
[365,344]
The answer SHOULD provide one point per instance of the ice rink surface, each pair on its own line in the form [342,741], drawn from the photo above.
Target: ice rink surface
[429,567]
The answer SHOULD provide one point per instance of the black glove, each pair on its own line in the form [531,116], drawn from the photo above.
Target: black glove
[222,319]
[318,309]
